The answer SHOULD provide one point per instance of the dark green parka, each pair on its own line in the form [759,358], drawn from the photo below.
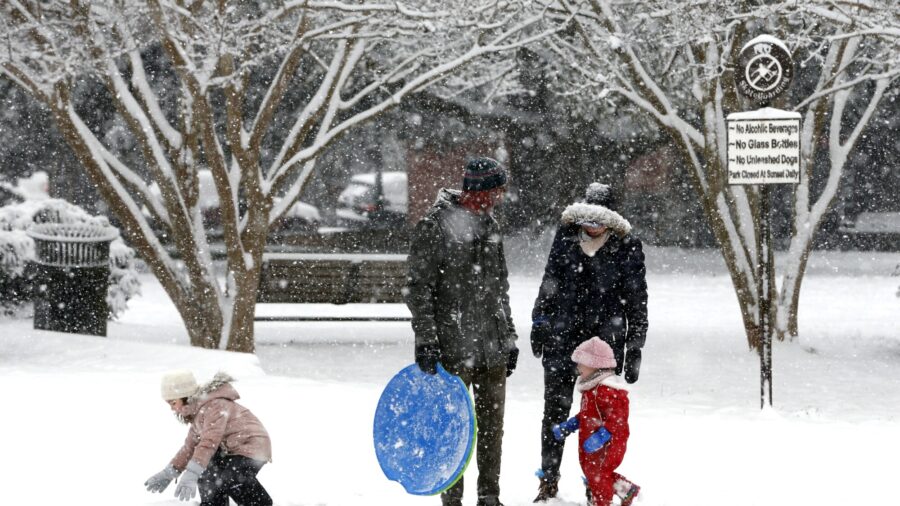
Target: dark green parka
[458,287]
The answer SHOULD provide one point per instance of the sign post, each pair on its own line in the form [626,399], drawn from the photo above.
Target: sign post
[763,148]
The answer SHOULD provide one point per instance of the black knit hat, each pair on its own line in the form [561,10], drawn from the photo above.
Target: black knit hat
[599,194]
[483,174]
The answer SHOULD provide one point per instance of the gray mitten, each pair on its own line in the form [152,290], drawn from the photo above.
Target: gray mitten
[187,487]
[159,481]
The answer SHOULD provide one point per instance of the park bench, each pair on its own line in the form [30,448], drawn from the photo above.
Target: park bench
[332,278]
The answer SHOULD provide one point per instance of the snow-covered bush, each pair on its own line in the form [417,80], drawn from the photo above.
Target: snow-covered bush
[123,279]
[17,249]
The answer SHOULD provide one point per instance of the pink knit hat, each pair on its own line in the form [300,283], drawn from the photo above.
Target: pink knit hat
[595,353]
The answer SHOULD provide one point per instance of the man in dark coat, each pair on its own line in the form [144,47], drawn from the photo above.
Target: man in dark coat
[594,285]
[459,300]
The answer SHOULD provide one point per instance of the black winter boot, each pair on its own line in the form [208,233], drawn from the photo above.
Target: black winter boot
[547,489]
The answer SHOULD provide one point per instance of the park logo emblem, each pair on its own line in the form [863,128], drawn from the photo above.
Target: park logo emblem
[765,70]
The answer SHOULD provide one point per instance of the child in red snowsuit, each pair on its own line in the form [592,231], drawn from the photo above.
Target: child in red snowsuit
[604,405]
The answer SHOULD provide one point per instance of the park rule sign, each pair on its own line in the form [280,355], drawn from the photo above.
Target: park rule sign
[763,147]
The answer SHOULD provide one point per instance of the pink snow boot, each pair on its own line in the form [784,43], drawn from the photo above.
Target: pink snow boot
[626,491]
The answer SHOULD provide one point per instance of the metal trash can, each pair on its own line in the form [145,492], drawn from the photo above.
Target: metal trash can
[71,277]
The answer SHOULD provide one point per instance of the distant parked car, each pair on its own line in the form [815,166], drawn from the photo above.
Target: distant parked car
[358,203]
[872,231]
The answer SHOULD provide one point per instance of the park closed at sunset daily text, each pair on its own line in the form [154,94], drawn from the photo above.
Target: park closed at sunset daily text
[762,149]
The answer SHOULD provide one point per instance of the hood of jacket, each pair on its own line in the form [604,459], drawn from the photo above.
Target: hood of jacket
[581,211]
[219,387]
[447,200]
[457,221]
[447,197]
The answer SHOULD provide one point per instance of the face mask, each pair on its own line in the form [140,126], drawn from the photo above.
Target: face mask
[480,201]
[591,245]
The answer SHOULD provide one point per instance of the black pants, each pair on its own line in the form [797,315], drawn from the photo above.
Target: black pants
[489,388]
[559,387]
[232,476]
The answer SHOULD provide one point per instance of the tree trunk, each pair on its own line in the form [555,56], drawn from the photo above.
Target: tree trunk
[246,270]
[203,320]
[749,318]
[787,324]
[196,300]
[243,312]
[243,309]
[742,282]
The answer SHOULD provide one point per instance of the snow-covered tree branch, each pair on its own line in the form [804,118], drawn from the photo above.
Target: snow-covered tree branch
[674,61]
[207,86]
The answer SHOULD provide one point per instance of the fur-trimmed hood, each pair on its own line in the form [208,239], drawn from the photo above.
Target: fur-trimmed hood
[219,387]
[592,212]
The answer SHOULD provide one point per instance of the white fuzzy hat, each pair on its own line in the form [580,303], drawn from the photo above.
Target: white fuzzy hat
[177,385]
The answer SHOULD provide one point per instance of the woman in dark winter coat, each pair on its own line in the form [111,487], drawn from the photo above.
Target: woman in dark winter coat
[225,448]
[594,285]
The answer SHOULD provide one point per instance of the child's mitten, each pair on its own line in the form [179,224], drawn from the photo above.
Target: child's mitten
[596,440]
[562,430]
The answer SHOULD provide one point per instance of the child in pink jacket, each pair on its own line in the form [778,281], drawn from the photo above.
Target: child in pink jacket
[602,424]
[225,448]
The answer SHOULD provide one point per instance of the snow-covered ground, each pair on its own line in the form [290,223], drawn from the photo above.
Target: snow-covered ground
[83,423]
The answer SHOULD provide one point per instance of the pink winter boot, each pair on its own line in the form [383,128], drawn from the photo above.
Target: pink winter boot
[626,491]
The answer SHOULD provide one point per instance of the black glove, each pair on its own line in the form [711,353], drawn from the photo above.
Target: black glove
[632,364]
[511,361]
[540,334]
[427,357]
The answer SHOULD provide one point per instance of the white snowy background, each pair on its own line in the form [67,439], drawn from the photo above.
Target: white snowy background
[83,423]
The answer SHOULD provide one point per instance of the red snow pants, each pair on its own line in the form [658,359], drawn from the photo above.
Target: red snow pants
[599,469]
[603,406]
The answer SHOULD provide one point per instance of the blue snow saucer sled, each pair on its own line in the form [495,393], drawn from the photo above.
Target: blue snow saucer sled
[424,430]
